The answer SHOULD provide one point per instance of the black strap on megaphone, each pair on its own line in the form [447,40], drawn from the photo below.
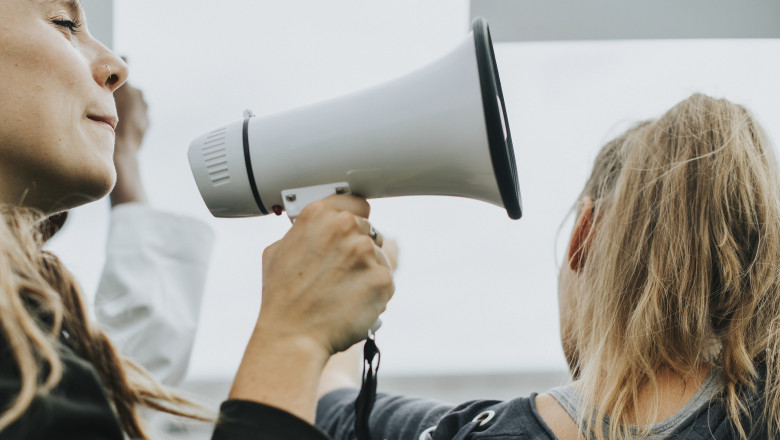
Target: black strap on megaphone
[367,396]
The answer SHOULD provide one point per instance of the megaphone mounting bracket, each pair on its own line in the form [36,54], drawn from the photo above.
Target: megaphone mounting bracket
[296,199]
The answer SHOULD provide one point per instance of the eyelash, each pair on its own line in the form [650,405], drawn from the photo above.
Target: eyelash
[72,26]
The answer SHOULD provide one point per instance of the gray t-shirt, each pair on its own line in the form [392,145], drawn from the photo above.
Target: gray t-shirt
[410,418]
[571,400]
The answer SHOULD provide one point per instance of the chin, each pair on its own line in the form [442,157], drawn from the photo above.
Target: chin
[97,181]
[74,193]
[98,188]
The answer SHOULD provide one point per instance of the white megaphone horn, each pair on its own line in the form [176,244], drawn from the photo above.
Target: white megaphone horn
[440,130]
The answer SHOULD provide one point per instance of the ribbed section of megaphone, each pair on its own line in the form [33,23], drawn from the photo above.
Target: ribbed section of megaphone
[220,170]
[440,130]
[214,153]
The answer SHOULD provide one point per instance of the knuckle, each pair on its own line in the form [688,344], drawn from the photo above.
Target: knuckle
[345,222]
[364,246]
[312,210]
[383,280]
[269,251]
[364,205]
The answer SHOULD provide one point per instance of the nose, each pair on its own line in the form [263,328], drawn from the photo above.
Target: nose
[109,71]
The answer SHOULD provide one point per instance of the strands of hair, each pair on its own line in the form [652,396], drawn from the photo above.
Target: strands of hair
[39,298]
[686,245]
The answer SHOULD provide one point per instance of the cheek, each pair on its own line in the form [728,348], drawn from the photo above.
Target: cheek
[99,152]
[42,71]
[45,138]
[87,154]
[36,109]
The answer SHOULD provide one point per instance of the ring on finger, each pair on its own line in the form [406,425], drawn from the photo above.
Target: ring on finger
[375,235]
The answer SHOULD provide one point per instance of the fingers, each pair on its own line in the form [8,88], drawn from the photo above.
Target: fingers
[358,223]
[365,227]
[382,258]
[347,202]
[343,203]
[328,279]
[391,250]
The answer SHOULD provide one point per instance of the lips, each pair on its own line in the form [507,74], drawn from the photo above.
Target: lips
[110,120]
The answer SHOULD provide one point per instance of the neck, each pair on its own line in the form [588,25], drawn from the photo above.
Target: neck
[673,390]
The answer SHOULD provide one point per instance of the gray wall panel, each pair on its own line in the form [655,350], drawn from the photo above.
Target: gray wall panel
[545,20]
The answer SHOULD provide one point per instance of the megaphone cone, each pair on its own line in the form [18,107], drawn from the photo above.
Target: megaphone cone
[440,130]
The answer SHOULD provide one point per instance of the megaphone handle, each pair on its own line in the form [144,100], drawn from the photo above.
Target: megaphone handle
[296,199]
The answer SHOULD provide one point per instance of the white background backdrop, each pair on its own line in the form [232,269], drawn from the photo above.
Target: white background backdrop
[476,292]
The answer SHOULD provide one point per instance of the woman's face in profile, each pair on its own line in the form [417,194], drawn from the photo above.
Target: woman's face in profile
[57,112]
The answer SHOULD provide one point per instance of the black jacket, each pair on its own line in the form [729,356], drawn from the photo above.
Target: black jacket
[79,409]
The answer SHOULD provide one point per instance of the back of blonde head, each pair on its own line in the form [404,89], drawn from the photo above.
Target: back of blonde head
[685,251]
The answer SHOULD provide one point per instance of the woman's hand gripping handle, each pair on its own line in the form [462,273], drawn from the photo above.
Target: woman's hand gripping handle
[324,285]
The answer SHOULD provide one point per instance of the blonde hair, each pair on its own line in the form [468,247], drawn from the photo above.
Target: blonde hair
[39,299]
[685,248]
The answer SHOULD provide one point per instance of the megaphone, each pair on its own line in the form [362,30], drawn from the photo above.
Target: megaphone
[440,130]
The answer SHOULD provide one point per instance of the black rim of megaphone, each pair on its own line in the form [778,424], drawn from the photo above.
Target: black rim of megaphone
[501,150]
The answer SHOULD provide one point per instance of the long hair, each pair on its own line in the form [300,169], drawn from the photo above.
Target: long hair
[39,299]
[684,251]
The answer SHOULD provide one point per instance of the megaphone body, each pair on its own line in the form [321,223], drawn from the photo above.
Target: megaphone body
[440,130]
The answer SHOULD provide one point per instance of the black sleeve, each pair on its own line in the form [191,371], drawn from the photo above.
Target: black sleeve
[241,419]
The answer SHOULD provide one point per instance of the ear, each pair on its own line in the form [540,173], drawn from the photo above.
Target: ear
[578,248]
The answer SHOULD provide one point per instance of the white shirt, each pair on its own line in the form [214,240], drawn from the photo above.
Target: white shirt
[149,296]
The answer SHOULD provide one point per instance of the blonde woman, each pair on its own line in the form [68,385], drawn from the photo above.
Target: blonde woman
[325,282]
[669,300]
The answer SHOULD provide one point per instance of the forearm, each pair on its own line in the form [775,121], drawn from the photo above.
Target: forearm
[283,374]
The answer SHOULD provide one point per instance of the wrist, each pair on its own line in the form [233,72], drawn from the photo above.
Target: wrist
[282,371]
[292,344]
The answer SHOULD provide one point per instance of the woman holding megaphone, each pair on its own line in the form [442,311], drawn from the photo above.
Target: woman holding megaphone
[60,376]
